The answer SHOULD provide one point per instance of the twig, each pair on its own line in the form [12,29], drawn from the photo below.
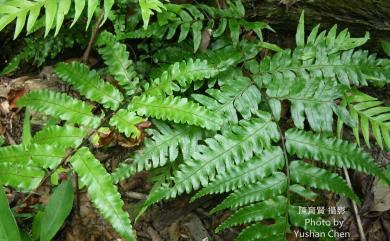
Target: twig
[136,195]
[78,204]
[355,209]
[94,33]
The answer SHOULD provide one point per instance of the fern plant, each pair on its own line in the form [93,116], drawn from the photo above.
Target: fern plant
[187,18]
[260,163]
[219,116]
[55,12]
[49,148]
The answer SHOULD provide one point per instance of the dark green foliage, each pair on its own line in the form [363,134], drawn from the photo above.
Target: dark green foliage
[217,110]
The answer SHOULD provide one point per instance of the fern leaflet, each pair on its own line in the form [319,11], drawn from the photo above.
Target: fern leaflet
[102,191]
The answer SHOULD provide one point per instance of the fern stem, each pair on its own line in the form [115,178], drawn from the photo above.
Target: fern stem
[283,141]
[355,209]
[285,155]
[93,38]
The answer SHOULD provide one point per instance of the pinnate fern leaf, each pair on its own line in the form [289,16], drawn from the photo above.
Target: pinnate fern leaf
[116,57]
[23,166]
[102,191]
[331,151]
[43,156]
[185,73]
[299,220]
[313,100]
[222,152]
[263,189]
[65,136]
[270,208]
[258,167]
[126,122]
[372,115]
[147,8]
[164,145]
[306,174]
[89,84]
[176,109]
[61,106]
[54,12]
[20,176]
[236,95]
[265,232]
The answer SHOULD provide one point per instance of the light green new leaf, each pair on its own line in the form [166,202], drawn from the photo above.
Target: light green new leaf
[102,192]
[50,13]
[147,8]
[57,209]
[9,230]
[300,35]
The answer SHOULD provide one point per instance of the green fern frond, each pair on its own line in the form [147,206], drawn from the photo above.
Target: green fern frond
[258,167]
[303,192]
[265,232]
[270,208]
[234,96]
[185,73]
[65,136]
[332,41]
[116,57]
[147,8]
[369,112]
[126,122]
[23,166]
[20,176]
[331,151]
[264,189]
[55,12]
[43,156]
[102,191]
[325,56]
[176,109]
[348,67]
[306,174]
[221,152]
[299,220]
[89,84]
[123,171]
[61,106]
[191,18]
[312,99]
[164,145]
